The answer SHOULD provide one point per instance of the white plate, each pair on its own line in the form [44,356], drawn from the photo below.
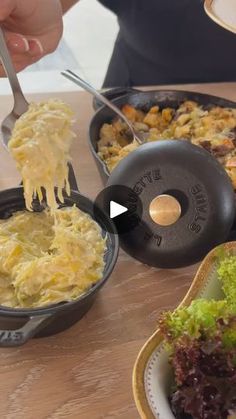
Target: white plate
[222,12]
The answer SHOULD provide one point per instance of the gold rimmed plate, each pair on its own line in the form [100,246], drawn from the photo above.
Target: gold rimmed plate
[223,12]
[152,374]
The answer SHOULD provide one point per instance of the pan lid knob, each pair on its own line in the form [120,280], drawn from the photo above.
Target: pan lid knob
[165,210]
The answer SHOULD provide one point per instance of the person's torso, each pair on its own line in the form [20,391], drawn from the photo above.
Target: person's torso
[175,34]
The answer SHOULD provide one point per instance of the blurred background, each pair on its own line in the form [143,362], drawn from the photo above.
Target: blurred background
[89,34]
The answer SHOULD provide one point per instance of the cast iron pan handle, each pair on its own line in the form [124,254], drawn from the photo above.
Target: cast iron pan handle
[113,93]
[11,338]
[72,179]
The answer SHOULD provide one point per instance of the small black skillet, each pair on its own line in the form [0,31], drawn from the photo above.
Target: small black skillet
[187,173]
[19,325]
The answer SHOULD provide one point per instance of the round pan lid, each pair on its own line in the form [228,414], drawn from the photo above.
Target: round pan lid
[187,198]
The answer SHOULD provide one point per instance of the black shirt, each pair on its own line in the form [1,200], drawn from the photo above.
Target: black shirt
[168,41]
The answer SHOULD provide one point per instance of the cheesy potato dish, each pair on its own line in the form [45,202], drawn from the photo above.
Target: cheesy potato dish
[212,128]
[55,255]
[48,258]
[40,145]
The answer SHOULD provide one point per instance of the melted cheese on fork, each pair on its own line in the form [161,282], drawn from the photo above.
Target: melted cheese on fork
[40,145]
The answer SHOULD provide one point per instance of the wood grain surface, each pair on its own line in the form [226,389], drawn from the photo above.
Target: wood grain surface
[85,372]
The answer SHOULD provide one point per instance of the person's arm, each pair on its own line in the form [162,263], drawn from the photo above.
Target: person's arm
[67,4]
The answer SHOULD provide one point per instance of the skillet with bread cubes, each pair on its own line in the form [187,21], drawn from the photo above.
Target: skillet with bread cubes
[176,180]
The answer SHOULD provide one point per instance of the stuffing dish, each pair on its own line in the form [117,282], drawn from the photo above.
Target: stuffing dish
[210,127]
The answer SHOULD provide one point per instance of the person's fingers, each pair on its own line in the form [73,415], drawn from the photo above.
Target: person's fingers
[49,40]
[26,32]
[24,36]
[16,42]
[41,45]
[20,62]
[23,52]
[35,47]
[6,8]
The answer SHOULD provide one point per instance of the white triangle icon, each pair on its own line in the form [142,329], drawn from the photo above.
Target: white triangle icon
[116,209]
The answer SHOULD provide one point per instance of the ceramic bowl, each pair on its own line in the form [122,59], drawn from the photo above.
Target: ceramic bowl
[152,374]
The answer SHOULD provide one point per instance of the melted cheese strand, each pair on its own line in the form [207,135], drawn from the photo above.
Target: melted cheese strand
[40,145]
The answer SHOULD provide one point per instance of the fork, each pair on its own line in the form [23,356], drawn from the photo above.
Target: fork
[82,83]
[20,103]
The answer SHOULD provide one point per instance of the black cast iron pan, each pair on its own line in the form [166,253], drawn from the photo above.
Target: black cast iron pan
[186,173]
[19,325]
[144,101]
[188,203]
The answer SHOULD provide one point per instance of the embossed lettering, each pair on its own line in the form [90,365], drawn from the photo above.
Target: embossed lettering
[148,236]
[200,200]
[201,207]
[132,197]
[199,218]
[137,189]
[154,237]
[6,336]
[18,335]
[158,239]
[156,174]
[196,189]
[195,227]
[147,178]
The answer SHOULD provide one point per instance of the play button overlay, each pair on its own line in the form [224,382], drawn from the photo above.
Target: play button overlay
[122,205]
[116,209]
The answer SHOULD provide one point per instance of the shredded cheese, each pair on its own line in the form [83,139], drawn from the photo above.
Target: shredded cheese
[49,257]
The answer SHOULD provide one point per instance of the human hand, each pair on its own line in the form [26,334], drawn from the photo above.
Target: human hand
[32,29]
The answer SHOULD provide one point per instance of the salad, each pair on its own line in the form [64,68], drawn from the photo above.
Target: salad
[201,340]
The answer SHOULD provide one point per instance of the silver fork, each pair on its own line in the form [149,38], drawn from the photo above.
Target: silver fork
[20,103]
[82,83]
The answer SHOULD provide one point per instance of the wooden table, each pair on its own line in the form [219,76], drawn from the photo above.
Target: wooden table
[85,372]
